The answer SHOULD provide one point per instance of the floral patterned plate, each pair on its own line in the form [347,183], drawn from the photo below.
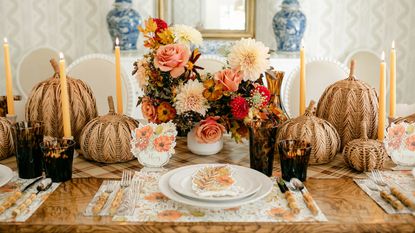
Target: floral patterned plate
[234,183]
[400,143]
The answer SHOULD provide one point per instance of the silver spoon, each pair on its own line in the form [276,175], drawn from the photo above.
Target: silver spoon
[299,186]
[296,184]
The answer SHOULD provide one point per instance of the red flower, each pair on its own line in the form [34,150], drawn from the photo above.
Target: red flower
[161,24]
[266,95]
[239,107]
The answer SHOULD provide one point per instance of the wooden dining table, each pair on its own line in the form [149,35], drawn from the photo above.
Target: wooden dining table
[347,207]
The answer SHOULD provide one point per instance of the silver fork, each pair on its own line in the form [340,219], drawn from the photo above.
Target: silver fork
[134,192]
[378,178]
[109,186]
[126,178]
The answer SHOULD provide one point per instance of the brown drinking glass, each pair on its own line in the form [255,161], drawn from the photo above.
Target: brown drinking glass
[261,148]
[294,157]
[58,158]
[28,136]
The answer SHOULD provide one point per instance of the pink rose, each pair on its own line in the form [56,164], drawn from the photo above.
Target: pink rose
[229,78]
[173,58]
[209,130]
[148,109]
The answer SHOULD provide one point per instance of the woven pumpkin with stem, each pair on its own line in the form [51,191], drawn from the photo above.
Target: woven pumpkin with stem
[347,103]
[365,154]
[7,144]
[107,138]
[324,139]
[44,104]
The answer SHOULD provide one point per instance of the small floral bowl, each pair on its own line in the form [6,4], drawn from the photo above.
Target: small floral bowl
[153,144]
[400,143]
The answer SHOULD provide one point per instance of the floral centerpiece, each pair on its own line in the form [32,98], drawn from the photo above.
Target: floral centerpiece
[227,101]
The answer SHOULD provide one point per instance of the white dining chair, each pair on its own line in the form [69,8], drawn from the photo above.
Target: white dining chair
[367,66]
[320,73]
[98,71]
[33,68]
[211,63]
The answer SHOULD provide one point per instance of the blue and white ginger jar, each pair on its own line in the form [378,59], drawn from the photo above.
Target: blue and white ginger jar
[123,22]
[289,25]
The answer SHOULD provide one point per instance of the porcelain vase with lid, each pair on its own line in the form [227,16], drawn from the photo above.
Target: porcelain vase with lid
[203,148]
[123,22]
[289,25]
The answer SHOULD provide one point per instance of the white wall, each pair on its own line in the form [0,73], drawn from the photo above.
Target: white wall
[335,28]
[338,27]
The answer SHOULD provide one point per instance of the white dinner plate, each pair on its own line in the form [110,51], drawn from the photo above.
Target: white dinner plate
[320,73]
[266,187]
[6,174]
[181,182]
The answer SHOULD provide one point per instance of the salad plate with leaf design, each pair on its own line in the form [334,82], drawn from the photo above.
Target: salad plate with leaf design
[184,180]
[215,182]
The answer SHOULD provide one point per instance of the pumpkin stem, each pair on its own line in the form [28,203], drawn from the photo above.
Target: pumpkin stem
[111,104]
[55,65]
[310,109]
[364,130]
[352,69]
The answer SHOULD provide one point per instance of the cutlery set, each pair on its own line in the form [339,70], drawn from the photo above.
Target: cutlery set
[43,185]
[392,195]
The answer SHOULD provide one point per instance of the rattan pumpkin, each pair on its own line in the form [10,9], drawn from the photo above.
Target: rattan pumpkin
[347,103]
[365,154]
[107,138]
[324,139]
[7,145]
[44,105]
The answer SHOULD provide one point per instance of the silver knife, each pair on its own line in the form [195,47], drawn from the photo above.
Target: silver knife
[31,183]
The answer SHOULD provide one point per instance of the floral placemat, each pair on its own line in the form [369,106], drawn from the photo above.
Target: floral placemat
[403,180]
[30,206]
[152,205]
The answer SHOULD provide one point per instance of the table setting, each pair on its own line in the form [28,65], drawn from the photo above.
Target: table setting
[213,147]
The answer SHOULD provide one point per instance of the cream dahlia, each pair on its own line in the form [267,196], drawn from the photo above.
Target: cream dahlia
[190,98]
[186,35]
[250,57]
[141,76]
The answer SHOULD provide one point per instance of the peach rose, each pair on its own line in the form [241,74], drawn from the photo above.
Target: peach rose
[173,58]
[209,130]
[229,78]
[148,109]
